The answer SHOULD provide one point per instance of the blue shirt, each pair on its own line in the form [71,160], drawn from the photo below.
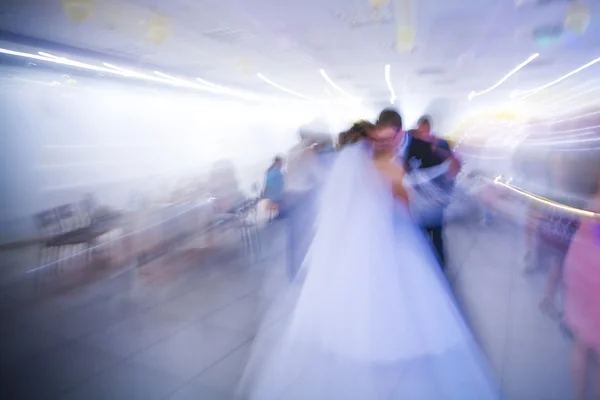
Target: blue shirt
[274,185]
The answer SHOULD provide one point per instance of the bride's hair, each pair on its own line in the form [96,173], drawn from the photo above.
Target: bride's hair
[360,130]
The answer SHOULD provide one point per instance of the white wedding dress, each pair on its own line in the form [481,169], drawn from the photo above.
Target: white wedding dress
[371,316]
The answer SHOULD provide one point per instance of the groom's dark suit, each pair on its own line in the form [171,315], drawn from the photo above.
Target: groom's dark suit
[423,154]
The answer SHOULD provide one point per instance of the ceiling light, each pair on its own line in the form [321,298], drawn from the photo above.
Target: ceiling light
[388,80]
[336,87]
[57,60]
[175,80]
[474,94]
[548,202]
[282,88]
[207,83]
[48,55]
[224,89]
[115,67]
[545,143]
[126,72]
[163,78]
[115,70]
[531,92]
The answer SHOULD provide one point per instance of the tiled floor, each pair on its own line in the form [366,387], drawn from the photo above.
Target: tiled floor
[185,333]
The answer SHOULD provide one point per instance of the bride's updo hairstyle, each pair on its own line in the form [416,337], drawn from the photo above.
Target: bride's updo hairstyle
[357,132]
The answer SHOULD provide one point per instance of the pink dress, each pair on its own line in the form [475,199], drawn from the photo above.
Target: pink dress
[582,284]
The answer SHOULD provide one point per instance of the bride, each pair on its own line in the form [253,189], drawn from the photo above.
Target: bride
[370,317]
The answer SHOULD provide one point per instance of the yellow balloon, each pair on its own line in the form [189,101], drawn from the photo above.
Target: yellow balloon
[159,30]
[78,11]
[405,39]
[378,3]
[577,18]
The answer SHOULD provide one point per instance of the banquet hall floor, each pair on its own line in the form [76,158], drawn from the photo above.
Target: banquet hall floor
[181,327]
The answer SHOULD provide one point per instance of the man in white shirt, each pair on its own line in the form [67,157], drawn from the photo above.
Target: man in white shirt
[304,174]
[301,162]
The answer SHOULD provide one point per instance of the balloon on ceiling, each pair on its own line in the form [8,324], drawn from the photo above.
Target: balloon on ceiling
[577,18]
[159,30]
[405,39]
[78,11]
[405,25]
[379,3]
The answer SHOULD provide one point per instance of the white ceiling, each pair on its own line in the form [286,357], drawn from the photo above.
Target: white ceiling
[460,46]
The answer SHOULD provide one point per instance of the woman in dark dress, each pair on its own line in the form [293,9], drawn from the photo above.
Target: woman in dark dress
[555,231]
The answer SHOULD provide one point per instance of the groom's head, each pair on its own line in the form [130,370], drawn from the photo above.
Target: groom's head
[388,127]
[389,117]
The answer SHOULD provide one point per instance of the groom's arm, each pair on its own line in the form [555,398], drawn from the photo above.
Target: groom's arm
[408,153]
[442,149]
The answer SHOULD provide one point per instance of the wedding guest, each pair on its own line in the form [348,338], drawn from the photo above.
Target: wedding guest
[562,176]
[582,299]
[274,186]
[582,274]
[555,231]
[303,175]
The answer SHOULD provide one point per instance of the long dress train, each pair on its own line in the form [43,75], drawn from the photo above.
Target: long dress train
[370,316]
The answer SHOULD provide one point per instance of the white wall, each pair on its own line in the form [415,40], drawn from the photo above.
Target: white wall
[60,142]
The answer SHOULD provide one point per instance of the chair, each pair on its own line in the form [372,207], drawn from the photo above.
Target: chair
[49,227]
[67,226]
[69,217]
[246,217]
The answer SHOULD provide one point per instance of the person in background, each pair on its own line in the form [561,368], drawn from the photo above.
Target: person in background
[582,298]
[304,172]
[479,197]
[555,231]
[425,150]
[274,187]
[534,179]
